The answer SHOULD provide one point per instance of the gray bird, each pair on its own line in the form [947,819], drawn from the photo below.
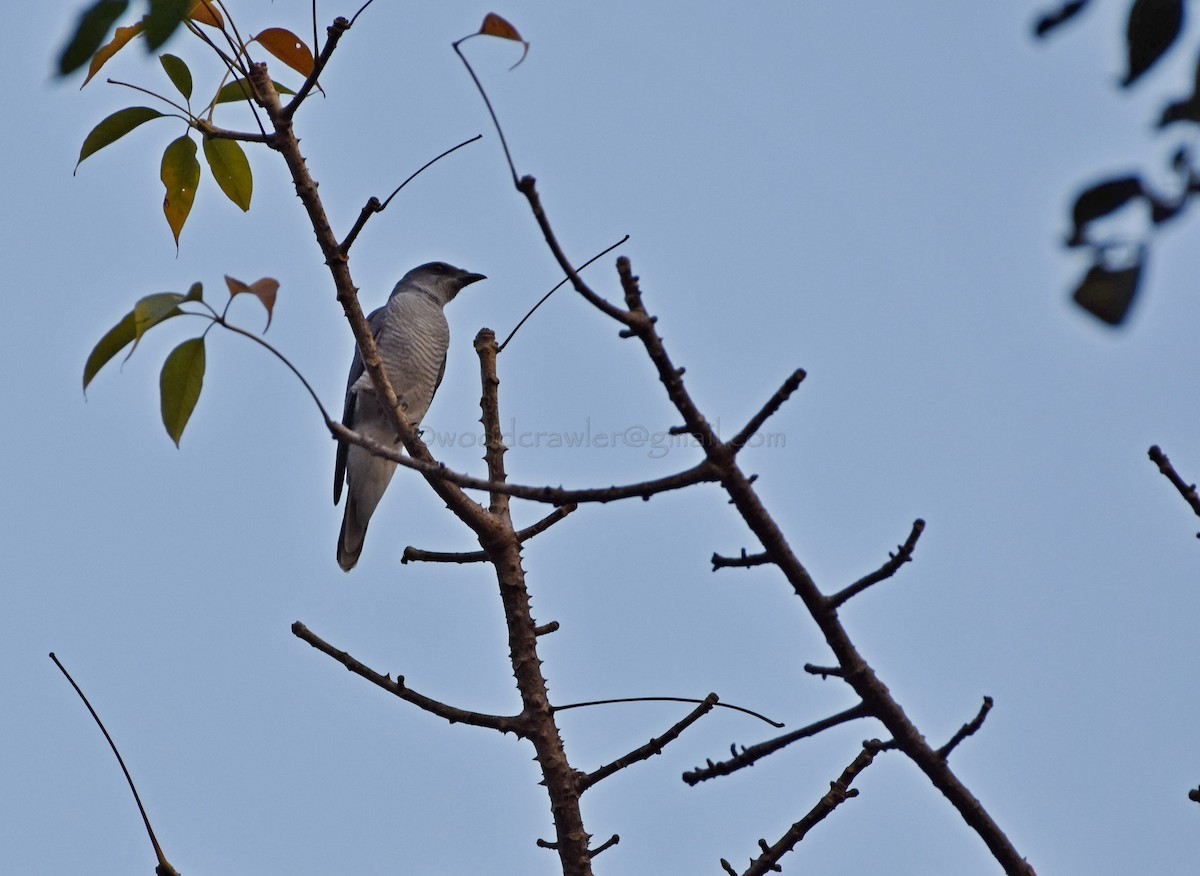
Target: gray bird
[412,336]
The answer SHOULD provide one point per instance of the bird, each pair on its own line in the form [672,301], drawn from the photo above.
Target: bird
[412,336]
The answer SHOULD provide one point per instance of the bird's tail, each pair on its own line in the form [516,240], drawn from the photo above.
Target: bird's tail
[350,541]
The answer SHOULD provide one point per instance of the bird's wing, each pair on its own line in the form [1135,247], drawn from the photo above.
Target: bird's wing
[375,321]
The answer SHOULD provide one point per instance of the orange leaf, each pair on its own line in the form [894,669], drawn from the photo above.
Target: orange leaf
[264,290]
[494,25]
[206,12]
[287,47]
[120,38]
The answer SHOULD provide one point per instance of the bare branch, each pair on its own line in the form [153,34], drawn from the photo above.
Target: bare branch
[773,404]
[719,704]
[333,34]
[374,205]
[651,748]
[745,561]
[432,469]
[1188,491]
[454,715]
[163,864]
[902,555]
[968,729]
[607,844]
[748,756]
[557,286]
[416,555]
[825,671]
[839,792]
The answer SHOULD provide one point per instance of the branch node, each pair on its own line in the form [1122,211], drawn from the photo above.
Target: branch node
[825,671]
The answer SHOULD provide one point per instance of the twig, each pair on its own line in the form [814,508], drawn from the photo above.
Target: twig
[374,205]
[1188,491]
[416,555]
[748,756]
[719,704]
[650,749]
[968,729]
[454,715]
[839,792]
[333,34]
[557,286]
[744,561]
[902,555]
[607,844]
[825,671]
[163,864]
[701,473]
[773,404]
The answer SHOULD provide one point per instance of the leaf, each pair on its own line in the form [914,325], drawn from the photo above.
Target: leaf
[1153,26]
[239,89]
[494,25]
[180,75]
[287,47]
[231,170]
[152,310]
[264,290]
[1064,13]
[163,19]
[179,385]
[93,27]
[113,342]
[1107,293]
[195,293]
[206,12]
[1100,200]
[114,128]
[121,36]
[180,174]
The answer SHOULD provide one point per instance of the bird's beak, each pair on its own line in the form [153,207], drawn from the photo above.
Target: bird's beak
[468,279]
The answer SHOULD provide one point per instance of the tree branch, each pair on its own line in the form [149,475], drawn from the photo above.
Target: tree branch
[416,555]
[744,561]
[748,756]
[454,715]
[968,729]
[839,792]
[1188,491]
[651,748]
[902,555]
[773,404]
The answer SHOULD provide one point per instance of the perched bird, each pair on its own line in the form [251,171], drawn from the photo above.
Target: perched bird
[412,336]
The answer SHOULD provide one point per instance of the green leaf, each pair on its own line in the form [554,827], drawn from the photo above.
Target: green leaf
[230,168]
[180,75]
[239,89]
[113,342]
[114,128]
[152,310]
[180,174]
[93,27]
[180,384]
[164,17]
[195,293]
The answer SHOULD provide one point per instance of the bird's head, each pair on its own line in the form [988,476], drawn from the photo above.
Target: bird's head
[437,279]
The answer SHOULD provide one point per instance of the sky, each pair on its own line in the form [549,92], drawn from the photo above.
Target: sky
[876,193]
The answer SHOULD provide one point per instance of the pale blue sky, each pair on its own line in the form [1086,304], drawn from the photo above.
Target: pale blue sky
[873,192]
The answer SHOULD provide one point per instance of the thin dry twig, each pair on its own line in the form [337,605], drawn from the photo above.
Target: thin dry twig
[650,749]
[416,555]
[748,756]
[839,792]
[903,554]
[743,561]
[453,714]
[1188,491]
[968,729]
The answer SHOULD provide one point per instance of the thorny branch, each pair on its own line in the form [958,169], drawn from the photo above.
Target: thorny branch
[839,792]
